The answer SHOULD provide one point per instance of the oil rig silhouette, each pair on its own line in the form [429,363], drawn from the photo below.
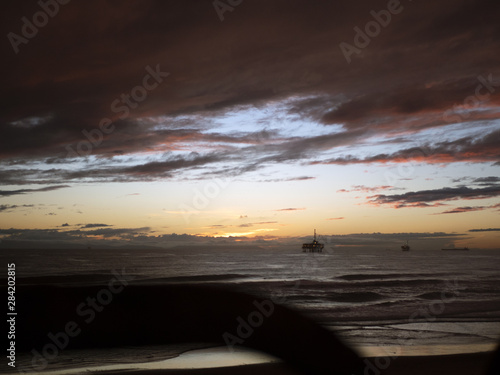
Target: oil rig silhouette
[313,247]
[405,247]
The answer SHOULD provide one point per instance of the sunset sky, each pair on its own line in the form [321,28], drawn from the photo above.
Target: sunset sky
[164,123]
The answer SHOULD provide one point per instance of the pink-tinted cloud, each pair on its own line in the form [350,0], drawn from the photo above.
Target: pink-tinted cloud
[365,189]
[65,79]
[433,198]
[470,149]
[459,210]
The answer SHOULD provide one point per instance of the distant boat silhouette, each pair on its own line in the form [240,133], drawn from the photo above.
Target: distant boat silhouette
[313,247]
[457,248]
[405,247]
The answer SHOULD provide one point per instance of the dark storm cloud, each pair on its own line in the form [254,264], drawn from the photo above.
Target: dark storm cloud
[487,180]
[155,168]
[428,198]
[146,171]
[485,230]
[418,99]
[56,238]
[11,207]
[460,210]
[86,226]
[114,232]
[251,158]
[471,149]
[112,172]
[7,193]
[130,136]
[35,234]
[61,83]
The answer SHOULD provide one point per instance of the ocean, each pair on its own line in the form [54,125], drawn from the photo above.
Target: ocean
[377,301]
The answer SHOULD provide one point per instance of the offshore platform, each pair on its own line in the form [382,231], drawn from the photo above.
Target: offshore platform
[313,247]
[405,247]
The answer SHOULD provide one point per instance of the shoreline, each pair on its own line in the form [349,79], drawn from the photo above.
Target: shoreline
[218,360]
[457,364]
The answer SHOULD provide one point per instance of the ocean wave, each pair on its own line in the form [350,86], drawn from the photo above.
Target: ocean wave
[202,278]
[354,297]
[385,276]
[319,285]
[431,296]
[398,283]
[346,297]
